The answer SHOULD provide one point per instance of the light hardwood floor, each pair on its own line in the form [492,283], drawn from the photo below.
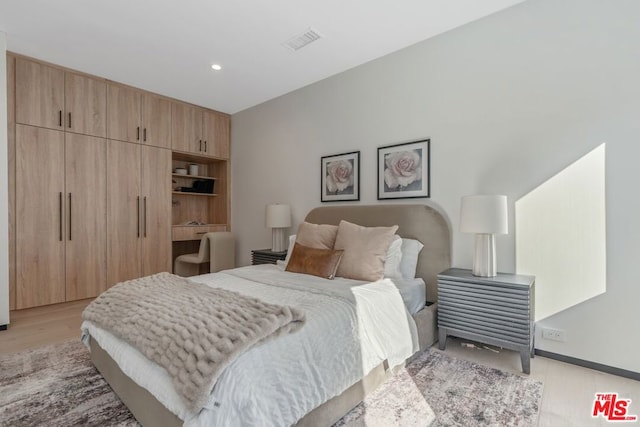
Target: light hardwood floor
[567,398]
[35,327]
[569,390]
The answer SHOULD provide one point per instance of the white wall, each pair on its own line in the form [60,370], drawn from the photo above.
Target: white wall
[560,226]
[4,187]
[508,101]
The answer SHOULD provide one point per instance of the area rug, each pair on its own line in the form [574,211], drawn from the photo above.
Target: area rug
[437,390]
[58,386]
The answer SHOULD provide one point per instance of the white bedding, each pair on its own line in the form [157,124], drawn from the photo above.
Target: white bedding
[413,293]
[351,327]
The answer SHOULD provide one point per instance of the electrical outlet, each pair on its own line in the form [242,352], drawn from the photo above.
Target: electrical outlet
[554,334]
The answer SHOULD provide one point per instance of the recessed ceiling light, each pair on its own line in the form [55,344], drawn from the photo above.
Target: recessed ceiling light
[216,67]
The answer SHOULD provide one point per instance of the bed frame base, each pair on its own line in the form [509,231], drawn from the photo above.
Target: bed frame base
[335,408]
[149,412]
[142,404]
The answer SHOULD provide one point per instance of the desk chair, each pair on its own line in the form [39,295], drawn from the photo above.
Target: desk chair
[218,249]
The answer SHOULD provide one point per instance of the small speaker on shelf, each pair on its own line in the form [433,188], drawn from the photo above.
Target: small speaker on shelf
[203,186]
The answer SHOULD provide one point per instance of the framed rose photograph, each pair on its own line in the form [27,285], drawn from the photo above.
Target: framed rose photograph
[340,177]
[403,170]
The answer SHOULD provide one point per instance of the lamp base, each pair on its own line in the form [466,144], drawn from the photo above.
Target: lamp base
[278,240]
[484,258]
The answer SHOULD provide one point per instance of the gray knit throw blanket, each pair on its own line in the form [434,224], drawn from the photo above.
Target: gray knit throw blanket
[191,330]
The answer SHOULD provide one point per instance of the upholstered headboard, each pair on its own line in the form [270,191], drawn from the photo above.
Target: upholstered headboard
[425,223]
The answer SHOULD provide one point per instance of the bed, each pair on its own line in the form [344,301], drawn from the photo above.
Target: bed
[421,222]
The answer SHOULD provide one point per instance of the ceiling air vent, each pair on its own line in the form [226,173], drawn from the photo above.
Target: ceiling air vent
[301,40]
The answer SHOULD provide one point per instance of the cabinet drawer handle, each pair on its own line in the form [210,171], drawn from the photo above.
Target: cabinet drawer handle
[138,133]
[138,213]
[70,217]
[205,146]
[200,149]
[69,120]
[145,216]
[201,232]
[144,134]
[60,118]
[60,212]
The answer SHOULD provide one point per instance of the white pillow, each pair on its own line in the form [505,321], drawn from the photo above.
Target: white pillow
[393,258]
[292,242]
[409,262]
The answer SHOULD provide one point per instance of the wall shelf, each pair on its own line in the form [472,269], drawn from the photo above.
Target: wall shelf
[178,175]
[211,210]
[188,193]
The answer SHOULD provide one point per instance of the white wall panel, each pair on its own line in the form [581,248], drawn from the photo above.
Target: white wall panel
[508,102]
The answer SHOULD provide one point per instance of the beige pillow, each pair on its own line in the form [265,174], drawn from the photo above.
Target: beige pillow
[318,262]
[319,236]
[365,249]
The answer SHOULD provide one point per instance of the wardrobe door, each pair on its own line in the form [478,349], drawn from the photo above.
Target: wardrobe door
[216,129]
[124,107]
[123,212]
[85,101]
[86,222]
[40,245]
[186,128]
[157,121]
[156,210]
[39,94]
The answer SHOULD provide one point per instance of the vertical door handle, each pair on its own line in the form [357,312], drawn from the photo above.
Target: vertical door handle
[144,134]
[205,146]
[200,146]
[138,134]
[60,212]
[138,214]
[69,120]
[145,216]
[70,224]
[60,118]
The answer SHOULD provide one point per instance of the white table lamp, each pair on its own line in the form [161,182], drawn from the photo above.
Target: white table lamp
[485,216]
[278,217]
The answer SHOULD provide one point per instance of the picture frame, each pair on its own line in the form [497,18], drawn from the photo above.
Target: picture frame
[340,177]
[404,170]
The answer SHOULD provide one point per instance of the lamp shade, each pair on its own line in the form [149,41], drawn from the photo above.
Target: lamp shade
[484,214]
[278,216]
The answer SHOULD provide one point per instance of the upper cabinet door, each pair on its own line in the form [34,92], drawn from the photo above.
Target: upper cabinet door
[85,105]
[216,129]
[157,121]
[186,128]
[124,106]
[39,94]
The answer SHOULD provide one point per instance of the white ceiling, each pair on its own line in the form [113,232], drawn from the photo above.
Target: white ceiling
[168,46]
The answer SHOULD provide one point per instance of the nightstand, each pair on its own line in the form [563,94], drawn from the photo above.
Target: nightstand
[492,310]
[266,256]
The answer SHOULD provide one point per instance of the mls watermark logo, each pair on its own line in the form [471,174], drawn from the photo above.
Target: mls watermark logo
[611,408]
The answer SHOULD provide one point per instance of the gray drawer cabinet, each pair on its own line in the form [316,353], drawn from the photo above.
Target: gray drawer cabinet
[266,256]
[492,310]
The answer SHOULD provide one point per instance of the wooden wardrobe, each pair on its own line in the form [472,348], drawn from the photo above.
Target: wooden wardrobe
[91,182]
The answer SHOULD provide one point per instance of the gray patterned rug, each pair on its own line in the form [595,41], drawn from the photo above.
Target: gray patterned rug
[58,386]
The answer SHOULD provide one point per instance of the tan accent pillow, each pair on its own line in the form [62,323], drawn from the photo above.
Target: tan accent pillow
[319,236]
[317,262]
[365,250]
